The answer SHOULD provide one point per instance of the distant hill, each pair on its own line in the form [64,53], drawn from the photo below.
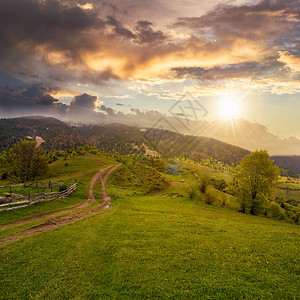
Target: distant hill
[56,134]
[125,140]
[289,162]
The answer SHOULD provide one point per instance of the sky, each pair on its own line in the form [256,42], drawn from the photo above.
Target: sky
[224,69]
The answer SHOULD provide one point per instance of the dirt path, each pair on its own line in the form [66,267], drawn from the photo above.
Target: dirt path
[96,178]
[101,176]
[39,217]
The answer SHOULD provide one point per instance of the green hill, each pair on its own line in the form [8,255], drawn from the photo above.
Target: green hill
[288,162]
[56,134]
[157,246]
[154,241]
[127,140]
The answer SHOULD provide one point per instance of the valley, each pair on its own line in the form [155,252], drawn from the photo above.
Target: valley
[139,226]
[181,245]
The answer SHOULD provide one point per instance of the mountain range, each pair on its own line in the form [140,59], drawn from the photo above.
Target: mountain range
[55,134]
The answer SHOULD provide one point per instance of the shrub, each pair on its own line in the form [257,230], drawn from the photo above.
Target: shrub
[258,205]
[219,184]
[204,183]
[274,211]
[192,191]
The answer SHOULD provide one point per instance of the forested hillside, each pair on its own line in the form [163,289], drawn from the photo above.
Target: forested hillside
[56,134]
[289,162]
[126,140]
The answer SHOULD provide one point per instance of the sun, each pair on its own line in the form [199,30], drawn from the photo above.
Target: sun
[229,107]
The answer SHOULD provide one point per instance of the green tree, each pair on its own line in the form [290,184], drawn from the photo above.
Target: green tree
[25,162]
[255,178]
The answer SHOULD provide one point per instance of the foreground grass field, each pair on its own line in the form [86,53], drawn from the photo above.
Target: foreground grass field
[156,247]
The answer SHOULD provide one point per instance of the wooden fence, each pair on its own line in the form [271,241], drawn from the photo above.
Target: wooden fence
[50,184]
[13,203]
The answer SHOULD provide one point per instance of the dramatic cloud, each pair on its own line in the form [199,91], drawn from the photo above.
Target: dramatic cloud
[262,39]
[145,33]
[91,43]
[20,98]
[51,50]
[84,101]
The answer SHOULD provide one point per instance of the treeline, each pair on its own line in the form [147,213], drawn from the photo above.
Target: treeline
[57,135]
[124,140]
[254,183]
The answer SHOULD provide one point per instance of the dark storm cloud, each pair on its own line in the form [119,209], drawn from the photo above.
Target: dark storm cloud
[27,23]
[270,29]
[24,98]
[109,111]
[83,101]
[143,32]
[250,70]
[54,36]
[119,29]
[15,92]
[67,42]
[31,100]
[274,21]
[146,34]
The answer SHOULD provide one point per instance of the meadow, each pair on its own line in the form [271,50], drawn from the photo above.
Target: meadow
[162,245]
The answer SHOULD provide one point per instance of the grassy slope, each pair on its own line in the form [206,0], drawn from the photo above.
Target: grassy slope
[156,247]
[79,168]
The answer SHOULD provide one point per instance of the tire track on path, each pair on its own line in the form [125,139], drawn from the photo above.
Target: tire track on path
[102,175]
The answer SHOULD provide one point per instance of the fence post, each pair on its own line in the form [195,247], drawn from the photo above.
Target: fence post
[29,198]
[36,184]
[44,193]
[10,190]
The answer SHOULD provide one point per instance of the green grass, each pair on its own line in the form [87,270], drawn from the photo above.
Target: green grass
[104,158]
[220,198]
[149,247]
[76,197]
[140,177]
[80,168]
[157,248]
[76,168]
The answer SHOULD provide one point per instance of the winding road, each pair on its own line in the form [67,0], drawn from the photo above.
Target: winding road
[100,176]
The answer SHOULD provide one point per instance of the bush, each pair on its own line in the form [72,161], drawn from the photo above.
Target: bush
[258,205]
[204,183]
[219,184]
[192,191]
[274,211]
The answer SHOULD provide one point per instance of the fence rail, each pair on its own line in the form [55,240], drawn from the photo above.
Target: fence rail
[35,198]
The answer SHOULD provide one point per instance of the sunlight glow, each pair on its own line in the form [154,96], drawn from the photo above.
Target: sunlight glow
[229,107]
